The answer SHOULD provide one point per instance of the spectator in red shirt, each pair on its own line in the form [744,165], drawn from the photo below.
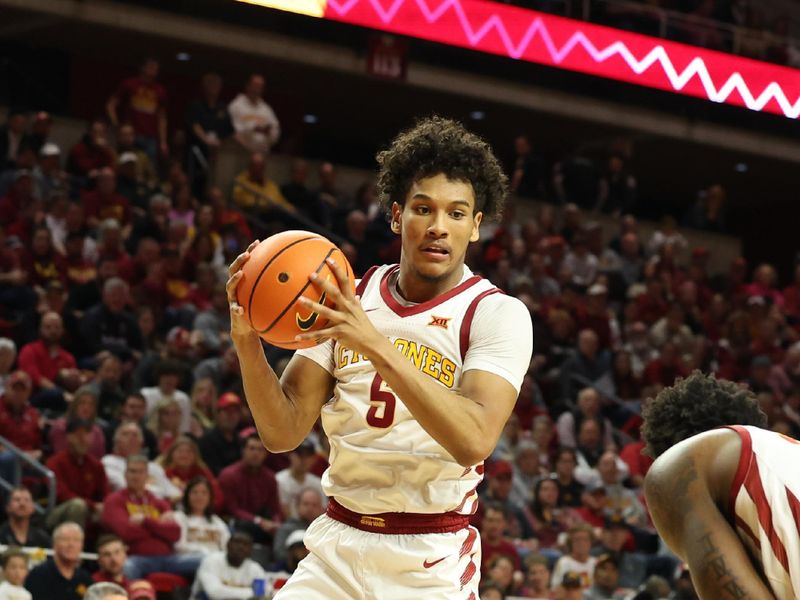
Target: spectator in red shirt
[142,102]
[80,478]
[493,542]
[147,526]
[19,421]
[49,365]
[104,202]
[92,153]
[251,491]
[111,557]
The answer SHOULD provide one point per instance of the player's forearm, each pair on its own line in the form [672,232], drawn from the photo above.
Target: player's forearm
[454,421]
[276,417]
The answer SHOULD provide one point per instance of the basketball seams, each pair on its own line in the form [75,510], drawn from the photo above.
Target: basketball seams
[264,270]
[300,293]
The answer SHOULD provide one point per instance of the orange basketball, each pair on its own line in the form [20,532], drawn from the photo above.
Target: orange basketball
[276,277]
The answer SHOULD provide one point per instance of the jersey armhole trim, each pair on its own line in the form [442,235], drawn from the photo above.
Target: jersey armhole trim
[466,324]
[362,285]
[745,457]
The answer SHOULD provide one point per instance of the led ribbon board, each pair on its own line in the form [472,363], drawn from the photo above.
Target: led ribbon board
[535,37]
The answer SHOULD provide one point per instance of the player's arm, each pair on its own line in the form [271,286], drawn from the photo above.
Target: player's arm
[467,424]
[284,410]
[686,515]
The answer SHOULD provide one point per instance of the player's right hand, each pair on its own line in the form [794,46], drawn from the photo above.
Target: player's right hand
[240,326]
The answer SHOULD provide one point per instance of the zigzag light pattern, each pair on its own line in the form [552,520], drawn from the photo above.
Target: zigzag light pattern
[603,51]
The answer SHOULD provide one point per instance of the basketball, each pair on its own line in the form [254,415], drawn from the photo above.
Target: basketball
[275,277]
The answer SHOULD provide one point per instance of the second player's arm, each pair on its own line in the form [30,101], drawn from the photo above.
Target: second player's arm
[684,511]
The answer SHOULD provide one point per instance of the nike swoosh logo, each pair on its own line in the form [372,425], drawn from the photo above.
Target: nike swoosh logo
[308,323]
[428,564]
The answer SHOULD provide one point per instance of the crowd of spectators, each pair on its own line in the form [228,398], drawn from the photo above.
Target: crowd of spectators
[117,372]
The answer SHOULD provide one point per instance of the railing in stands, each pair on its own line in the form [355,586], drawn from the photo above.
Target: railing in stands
[33,465]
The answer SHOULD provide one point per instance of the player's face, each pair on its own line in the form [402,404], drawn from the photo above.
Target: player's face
[437,223]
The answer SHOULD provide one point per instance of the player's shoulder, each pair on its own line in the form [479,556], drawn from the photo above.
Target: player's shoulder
[498,306]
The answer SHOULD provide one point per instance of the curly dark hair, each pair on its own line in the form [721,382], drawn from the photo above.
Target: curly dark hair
[437,145]
[693,405]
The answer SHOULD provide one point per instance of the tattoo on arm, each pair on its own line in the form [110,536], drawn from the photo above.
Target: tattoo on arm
[714,563]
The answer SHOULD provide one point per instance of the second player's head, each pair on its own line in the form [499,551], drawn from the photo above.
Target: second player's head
[693,405]
[439,180]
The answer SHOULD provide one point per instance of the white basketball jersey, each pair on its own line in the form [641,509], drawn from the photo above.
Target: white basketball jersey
[381,459]
[765,506]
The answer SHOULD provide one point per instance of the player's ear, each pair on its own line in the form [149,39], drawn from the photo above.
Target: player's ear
[396,212]
[476,227]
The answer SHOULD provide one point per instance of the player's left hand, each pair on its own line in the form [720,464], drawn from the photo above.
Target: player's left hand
[348,324]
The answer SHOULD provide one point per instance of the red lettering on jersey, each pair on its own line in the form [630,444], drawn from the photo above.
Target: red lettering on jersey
[439,321]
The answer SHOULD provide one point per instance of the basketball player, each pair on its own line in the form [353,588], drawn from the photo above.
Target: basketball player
[420,372]
[724,491]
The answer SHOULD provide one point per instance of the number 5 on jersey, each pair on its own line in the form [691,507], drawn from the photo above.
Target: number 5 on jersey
[381,413]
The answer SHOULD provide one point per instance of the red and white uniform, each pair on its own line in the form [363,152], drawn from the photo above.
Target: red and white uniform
[383,461]
[765,503]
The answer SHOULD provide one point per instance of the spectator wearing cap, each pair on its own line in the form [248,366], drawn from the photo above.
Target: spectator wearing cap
[141,589]
[256,126]
[48,176]
[230,574]
[128,184]
[182,463]
[578,560]
[606,581]
[12,133]
[142,101]
[251,492]
[499,478]
[146,524]
[19,422]
[128,441]
[109,325]
[296,477]
[19,530]
[92,152]
[587,365]
[81,484]
[50,366]
[493,539]
[220,446]
[308,506]
[111,557]
[61,577]
[126,143]
[202,532]
[168,374]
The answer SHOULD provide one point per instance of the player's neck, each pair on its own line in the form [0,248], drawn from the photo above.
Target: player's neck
[414,288]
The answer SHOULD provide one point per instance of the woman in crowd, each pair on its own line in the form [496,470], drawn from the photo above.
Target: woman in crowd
[204,399]
[165,423]
[202,531]
[83,406]
[182,464]
[547,519]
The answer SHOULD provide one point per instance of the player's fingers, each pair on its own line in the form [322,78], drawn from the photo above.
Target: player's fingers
[341,277]
[320,309]
[327,286]
[323,334]
[231,285]
[237,263]
[253,245]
